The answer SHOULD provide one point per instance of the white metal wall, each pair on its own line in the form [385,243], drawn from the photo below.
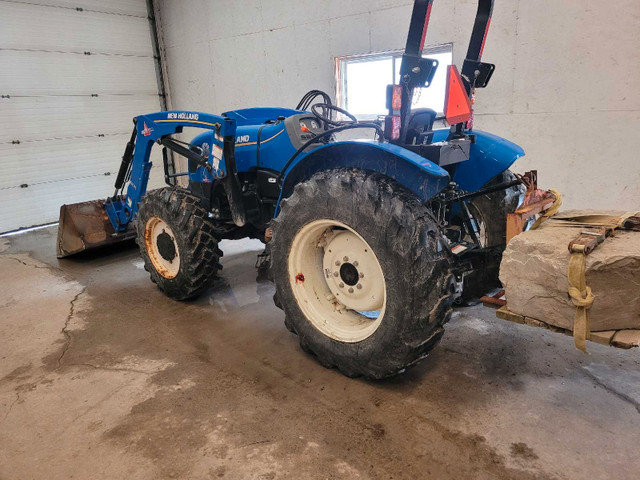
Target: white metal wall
[73,74]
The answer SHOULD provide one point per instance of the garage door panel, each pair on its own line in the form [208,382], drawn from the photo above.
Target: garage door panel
[116,7]
[23,26]
[35,118]
[39,204]
[42,73]
[66,115]
[54,161]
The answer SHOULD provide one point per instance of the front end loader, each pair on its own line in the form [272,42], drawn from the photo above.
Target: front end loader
[369,242]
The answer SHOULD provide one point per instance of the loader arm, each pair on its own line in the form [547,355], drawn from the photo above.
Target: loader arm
[157,128]
[88,225]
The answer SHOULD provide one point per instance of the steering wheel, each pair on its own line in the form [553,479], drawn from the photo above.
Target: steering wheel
[327,119]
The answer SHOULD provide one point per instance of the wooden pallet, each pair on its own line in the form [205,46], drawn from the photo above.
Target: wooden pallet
[625,339]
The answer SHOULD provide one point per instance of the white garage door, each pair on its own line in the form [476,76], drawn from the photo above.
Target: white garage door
[73,74]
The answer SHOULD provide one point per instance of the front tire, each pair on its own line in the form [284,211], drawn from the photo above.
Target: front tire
[177,242]
[361,271]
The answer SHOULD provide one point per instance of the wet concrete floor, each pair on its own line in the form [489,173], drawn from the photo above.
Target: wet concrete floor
[102,377]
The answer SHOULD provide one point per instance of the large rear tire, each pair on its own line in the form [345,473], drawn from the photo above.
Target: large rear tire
[490,212]
[494,207]
[361,271]
[177,242]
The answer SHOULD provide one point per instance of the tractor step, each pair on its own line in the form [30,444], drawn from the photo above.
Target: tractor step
[84,226]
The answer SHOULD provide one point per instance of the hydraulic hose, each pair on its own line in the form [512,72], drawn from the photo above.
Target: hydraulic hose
[127,157]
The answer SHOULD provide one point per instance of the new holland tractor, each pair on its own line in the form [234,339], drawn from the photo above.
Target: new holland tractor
[369,242]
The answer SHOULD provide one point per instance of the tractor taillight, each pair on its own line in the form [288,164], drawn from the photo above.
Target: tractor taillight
[470,123]
[457,107]
[396,99]
[392,127]
[392,121]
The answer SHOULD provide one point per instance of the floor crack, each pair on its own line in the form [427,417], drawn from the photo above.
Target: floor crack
[65,329]
[45,267]
[259,442]
[622,396]
[109,369]
[17,399]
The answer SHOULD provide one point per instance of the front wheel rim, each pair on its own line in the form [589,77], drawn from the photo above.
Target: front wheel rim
[337,280]
[162,248]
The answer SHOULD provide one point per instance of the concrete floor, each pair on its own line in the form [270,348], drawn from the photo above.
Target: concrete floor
[101,376]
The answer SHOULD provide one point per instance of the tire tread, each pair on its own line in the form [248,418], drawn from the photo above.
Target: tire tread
[199,255]
[407,221]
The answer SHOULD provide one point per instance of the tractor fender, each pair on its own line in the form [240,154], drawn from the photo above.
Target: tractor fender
[419,175]
[490,155]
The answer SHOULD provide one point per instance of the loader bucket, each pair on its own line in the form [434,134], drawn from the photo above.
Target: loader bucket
[84,226]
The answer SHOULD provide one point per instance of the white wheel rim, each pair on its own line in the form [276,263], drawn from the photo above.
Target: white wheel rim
[482,232]
[158,238]
[479,225]
[337,280]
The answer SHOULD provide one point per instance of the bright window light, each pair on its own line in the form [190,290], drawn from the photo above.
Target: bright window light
[363,79]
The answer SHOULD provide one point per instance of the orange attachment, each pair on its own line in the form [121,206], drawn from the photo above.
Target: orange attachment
[457,107]
[536,201]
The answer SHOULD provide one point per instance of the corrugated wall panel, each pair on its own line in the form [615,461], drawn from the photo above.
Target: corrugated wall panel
[42,73]
[57,160]
[73,31]
[40,204]
[115,7]
[66,116]
[38,118]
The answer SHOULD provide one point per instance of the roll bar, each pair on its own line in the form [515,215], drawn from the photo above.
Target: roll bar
[475,73]
[418,33]
[416,71]
[480,30]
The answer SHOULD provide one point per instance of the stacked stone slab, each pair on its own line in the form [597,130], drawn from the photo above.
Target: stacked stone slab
[534,275]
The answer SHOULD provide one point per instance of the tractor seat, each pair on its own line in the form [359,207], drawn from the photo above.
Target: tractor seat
[420,126]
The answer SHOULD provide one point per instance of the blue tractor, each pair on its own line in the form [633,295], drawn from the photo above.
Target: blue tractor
[368,242]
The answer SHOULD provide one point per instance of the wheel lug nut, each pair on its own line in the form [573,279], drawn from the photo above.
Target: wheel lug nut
[345,259]
[361,275]
[355,264]
[335,274]
[359,287]
[341,285]
[337,263]
[351,290]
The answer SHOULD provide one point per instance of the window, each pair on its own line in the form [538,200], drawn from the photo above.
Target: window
[363,79]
